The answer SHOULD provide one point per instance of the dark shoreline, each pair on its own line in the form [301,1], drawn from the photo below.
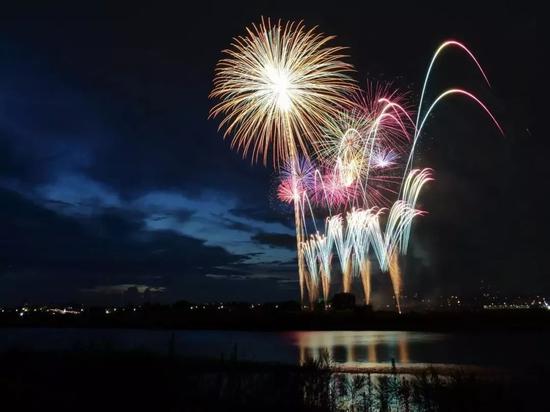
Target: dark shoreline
[163,318]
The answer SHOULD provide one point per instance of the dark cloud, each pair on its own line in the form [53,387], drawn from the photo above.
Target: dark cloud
[236,225]
[181,215]
[112,246]
[276,240]
[264,213]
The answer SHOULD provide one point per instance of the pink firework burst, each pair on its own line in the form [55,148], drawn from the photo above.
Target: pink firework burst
[392,129]
[290,190]
[330,190]
[296,180]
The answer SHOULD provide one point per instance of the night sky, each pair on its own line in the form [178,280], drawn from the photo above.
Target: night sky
[112,176]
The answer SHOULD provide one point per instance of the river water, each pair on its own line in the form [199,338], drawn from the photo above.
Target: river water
[345,348]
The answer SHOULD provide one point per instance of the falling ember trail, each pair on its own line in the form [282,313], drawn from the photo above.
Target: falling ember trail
[347,276]
[365,269]
[395,276]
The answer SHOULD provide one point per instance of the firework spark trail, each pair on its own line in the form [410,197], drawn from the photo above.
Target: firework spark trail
[344,246]
[292,189]
[359,224]
[376,136]
[309,249]
[397,230]
[399,221]
[324,251]
[395,276]
[365,271]
[443,95]
[443,46]
[411,190]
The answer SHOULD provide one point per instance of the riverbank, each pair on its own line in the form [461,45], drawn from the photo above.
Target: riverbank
[274,319]
[106,380]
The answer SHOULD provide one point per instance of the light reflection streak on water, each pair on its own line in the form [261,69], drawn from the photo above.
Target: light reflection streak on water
[357,348]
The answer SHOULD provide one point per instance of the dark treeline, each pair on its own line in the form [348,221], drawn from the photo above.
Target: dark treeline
[99,379]
[282,316]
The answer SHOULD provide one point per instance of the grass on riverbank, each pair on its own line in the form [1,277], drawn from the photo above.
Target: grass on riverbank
[106,380]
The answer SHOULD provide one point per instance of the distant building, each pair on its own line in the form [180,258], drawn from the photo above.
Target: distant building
[342,301]
[147,296]
[132,296]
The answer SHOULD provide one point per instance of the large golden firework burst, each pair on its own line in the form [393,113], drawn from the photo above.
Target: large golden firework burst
[277,87]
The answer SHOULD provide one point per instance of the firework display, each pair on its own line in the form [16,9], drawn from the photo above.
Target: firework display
[344,156]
